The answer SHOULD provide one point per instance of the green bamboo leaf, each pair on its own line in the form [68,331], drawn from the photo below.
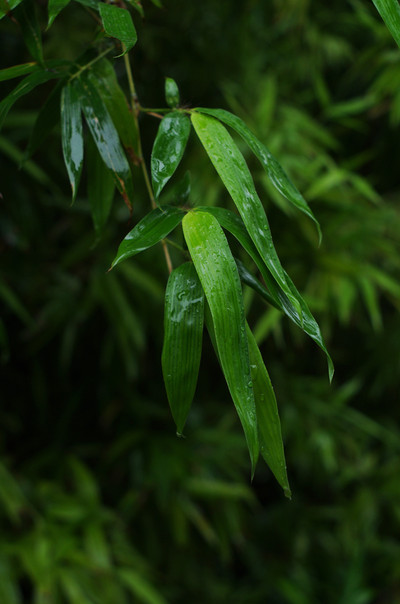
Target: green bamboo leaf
[54,8]
[156,225]
[48,117]
[117,23]
[268,422]
[171,93]
[26,16]
[142,590]
[234,173]
[105,136]
[103,77]
[183,333]
[274,170]
[100,187]
[29,83]
[72,134]
[389,10]
[168,149]
[233,223]
[248,279]
[6,6]
[218,274]
[18,70]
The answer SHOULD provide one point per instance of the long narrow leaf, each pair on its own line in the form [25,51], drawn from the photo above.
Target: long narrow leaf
[156,225]
[26,16]
[54,8]
[218,274]
[168,149]
[183,332]
[248,279]
[273,168]
[117,23]
[72,134]
[100,187]
[18,70]
[105,136]
[389,10]
[234,173]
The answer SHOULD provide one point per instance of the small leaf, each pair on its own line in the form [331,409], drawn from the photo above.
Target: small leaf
[171,93]
[105,136]
[389,10]
[275,172]
[72,134]
[117,23]
[183,332]
[6,6]
[54,8]
[218,274]
[156,225]
[27,18]
[48,117]
[234,173]
[268,422]
[18,70]
[100,187]
[168,149]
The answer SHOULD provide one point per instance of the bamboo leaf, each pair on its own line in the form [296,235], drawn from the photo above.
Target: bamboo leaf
[54,8]
[142,590]
[156,225]
[105,136]
[117,23]
[233,223]
[27,18]
[100,187]
[248,279]
[274,170]
[268,422]
[218,274]
[6,6]
[183,333]
[234,173]
[168,149]
[18,70]
[389,10]
[72,134]
[171,93]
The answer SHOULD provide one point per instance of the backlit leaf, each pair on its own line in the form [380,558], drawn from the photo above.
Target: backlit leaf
[276,173]
[168,149]
[156,225]
[72,134]
[183,333]
[389,10]
[218,274]
[117,23]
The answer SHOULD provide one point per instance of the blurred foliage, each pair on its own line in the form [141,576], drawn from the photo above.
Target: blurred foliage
[99,501]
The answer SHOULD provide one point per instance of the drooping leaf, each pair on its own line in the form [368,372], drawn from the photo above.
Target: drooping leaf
[233,223]
[48,117]
[103,77]
[29,83]
[276,173]
[18,70]
[54,8]
[72,134]
[234,173]
[105,136]
[156,225]
[183,333]
[100,187]
[26,16]
[218,274]
[389,10]
[117,23]
[268,422]
[171,93]
[248,279]
[168,148]
[7,6]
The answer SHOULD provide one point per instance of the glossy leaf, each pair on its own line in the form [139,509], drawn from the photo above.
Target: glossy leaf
[100,187]
[171,93]
[54,8]
[168,149]
[105,136]
[72,134]
[183,334]
[268,422]
[7,6]
[156,225]
[389,10]
[27,84]
[103,77]
[219,277]
[27,18]
[275,172]
[234,173]
[48,117]
[117,23]
[233,223]
[18,70]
